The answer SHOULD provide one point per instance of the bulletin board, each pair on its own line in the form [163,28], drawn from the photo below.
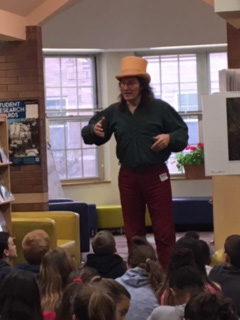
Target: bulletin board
[24,131]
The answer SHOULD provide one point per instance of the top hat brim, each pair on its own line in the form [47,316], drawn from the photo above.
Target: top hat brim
[141,75]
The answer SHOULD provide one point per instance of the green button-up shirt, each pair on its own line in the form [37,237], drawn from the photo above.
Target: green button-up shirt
[134,132]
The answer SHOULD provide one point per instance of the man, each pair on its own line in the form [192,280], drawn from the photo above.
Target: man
[8,253]
[228,274]
[147,130]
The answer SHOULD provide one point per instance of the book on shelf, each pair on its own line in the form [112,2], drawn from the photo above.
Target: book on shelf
[3,156]
[3,226]
[5,194]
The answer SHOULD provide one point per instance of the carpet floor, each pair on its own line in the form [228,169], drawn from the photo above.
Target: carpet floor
[122,249]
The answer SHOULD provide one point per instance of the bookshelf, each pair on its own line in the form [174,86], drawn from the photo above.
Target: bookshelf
[5,206]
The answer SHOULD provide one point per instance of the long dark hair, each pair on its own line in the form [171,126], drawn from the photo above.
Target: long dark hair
[146,95]
[180,258]
[187,252]
[20,297]
[195,246]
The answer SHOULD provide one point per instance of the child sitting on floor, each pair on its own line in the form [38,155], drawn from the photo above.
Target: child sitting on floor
[34,245]
[104,259]
[184,282]
[142,279]
[209,306]
[228,273]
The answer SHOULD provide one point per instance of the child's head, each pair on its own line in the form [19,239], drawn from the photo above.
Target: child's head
[54,270]
[181,259]
[93,303]
[142,254]
[7,247]
[83,274]
[192,234]
[209,306]
[140,251]
[20,297]
[35,244]
[232,250]
[119,294]
[64,310]
[103,243]
[193,245]
[185,282]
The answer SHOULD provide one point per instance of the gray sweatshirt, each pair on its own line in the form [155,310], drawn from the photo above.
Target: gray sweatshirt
[168,313]
[143,298]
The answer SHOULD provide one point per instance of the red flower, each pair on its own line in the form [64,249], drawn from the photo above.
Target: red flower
[193,148]
[200,145]
[188,147]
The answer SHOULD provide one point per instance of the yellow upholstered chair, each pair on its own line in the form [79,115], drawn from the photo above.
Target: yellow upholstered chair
[111,217]
[21,226]
[67,229]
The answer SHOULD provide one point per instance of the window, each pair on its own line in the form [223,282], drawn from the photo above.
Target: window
[180,80]
[70,88]
[174,79]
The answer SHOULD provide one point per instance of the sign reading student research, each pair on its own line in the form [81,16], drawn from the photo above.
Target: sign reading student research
[24,137]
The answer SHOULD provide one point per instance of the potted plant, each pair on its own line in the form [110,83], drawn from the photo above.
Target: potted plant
[191,160]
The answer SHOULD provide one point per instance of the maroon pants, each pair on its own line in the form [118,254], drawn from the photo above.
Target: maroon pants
[149,187]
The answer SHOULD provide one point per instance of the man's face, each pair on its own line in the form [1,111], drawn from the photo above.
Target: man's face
[130,88]
[11,252]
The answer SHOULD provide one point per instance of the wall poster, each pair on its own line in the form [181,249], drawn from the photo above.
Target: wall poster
[24,131]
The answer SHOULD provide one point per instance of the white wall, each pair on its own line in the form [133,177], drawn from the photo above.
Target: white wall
[134,24]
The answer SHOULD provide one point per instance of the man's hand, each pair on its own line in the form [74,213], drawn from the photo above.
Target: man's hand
[162,141]
[98,128]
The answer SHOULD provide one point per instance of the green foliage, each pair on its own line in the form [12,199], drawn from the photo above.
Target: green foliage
[190,156]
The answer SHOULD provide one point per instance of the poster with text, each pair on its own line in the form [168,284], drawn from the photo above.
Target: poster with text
[24,131]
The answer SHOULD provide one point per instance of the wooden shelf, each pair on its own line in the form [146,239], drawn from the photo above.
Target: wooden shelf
[6,164]
[6,208]
[5,202]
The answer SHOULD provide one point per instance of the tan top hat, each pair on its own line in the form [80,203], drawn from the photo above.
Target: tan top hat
[134,67]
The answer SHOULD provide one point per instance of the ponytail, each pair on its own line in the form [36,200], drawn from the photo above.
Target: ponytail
[180,258]
[155,273]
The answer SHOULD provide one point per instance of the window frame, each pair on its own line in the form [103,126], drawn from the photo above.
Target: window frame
[203,81]
[100,158]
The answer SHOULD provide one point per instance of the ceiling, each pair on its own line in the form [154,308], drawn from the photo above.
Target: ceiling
[20,7]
